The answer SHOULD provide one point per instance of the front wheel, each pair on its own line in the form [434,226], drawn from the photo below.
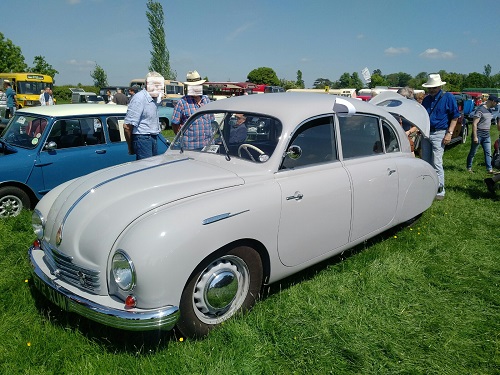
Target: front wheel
[163,124]
[218,289]
[12,201]
[465,133]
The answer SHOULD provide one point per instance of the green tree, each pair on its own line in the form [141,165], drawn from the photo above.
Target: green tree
[160,57]
[300,82]
[99,76]
[377,80]
[42,67]
[475,80]
[286,84]
[11,57]
[487,70]
[263,75]
[321,83]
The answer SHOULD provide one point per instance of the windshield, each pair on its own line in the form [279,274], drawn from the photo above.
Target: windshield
[170,103]
[174,89]
[33,88]
[25,131]
[242,135]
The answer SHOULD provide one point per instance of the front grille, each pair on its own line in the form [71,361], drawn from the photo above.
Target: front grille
[62,266]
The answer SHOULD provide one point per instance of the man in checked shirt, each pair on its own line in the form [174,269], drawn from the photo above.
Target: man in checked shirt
[199,133]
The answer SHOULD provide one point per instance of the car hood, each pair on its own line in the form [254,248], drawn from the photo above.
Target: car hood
[107,201]
[409,109]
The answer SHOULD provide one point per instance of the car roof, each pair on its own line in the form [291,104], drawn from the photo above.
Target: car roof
[305,105]
[75,109]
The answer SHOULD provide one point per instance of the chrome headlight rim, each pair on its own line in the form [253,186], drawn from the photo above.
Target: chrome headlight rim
[38,223]
[123,271]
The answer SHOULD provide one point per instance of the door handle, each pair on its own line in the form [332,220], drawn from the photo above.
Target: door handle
[391,171]
[100,151]
[298,196]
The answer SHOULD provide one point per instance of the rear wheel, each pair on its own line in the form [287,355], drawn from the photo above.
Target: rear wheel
[218,289]
[12,201]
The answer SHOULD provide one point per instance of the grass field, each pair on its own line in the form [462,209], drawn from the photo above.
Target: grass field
[420,300]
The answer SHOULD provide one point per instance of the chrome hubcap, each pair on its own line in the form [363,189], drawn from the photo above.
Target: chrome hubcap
[221,289]
[10,205]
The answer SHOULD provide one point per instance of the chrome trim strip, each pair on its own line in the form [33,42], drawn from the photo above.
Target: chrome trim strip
[110,180]
[227,215]
[163,318]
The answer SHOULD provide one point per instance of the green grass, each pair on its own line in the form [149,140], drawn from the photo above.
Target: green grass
[419,300]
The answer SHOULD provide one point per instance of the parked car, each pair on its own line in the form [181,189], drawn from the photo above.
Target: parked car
[495,111]
[190,237]
[80,96]
[43,147]
[165,111]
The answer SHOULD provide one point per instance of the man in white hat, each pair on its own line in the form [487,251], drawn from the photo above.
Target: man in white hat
[200,131]
[142,124]
[443,115]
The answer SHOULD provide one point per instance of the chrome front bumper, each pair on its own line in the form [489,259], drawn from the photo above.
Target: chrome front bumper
[148,320]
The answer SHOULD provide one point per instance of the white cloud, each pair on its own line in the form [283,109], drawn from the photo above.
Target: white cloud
[81,63]
[434,53]
[360,36]
[238,31]
[392,51]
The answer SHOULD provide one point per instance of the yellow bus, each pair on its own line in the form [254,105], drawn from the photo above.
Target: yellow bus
[28,87]
[173,89]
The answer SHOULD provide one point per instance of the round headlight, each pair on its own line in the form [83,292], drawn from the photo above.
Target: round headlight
[123,271]
[38,223]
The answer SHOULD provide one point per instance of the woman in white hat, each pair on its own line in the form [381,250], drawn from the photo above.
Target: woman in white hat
[186,106]
[443,115]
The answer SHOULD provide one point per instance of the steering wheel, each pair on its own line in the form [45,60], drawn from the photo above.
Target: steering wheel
[245,147]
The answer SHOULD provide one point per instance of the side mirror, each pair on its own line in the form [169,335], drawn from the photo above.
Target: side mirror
[51,145]
[294,152]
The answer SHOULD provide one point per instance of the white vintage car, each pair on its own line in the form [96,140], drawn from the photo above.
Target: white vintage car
[252,190]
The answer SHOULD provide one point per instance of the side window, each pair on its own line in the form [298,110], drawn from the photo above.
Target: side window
[92,131]
[360,136]
[317,142]
[391,141]
[66,133]
[115,129]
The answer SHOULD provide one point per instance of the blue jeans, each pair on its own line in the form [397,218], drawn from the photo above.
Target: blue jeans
[145,145]
[485,142]
[432,152]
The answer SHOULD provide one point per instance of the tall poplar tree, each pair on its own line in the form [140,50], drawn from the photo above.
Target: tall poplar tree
[160,57]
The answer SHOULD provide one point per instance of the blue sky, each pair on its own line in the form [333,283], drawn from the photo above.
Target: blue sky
[226,39]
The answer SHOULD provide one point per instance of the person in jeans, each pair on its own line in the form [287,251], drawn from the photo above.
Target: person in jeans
[142,124]
[443,115]
[481,133]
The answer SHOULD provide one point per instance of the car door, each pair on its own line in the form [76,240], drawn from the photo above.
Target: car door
[367,156]
[81,148]
[316,196]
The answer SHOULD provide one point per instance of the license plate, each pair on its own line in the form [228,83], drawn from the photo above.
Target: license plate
[52,295]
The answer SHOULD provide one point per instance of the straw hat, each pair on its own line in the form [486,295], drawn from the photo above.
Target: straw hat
[434,80]
[193,78]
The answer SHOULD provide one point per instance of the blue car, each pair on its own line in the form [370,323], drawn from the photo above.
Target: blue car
[42,147]
[165,111]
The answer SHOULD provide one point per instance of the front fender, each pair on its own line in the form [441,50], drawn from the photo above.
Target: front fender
[167,244]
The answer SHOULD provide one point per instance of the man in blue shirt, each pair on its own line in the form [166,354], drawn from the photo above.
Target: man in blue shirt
[443,115]
[11,99]
[142,124]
